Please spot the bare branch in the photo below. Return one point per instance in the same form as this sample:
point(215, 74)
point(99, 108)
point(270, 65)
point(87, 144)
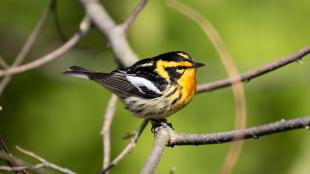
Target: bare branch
point(130, 146)
point(45, 162)
point(235, 135)
point(21, 165)
point(114, 33)
point(12, 164)
point(105, 132)
point(133, 15)
point(160, 142)
point(247, 76)
point(3, 62)
point(27, 46)
point(166, 136)
point(16, 169)
point(12, 169)
point(84, 27)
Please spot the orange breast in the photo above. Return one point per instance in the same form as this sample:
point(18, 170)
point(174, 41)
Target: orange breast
point(188, 84)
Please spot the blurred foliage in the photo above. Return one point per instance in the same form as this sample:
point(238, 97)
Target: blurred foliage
point(60, 118)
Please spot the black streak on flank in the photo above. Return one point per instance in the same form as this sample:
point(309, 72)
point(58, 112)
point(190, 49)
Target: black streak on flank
point(176, 99)
point(172, 92)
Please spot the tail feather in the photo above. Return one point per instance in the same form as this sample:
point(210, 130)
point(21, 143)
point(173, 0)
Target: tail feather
point(80, 72)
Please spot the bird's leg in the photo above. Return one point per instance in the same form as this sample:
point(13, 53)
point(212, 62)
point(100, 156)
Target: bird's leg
point(156, 124)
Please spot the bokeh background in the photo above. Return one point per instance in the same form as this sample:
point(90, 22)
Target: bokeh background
point(60, 117)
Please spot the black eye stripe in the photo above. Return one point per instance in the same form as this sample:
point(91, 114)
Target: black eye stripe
point(178, 67)
point(184, 67)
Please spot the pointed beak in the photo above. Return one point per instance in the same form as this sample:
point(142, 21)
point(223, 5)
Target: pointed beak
point(198, 65)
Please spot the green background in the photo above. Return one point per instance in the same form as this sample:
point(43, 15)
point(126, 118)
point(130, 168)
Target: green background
point(60, 117)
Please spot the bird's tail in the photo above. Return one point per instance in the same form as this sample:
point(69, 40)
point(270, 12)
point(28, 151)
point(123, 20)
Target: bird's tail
point(80, 72)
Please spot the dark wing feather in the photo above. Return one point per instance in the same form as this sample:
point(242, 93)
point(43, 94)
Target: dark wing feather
point(115, 81)
point(118, 84)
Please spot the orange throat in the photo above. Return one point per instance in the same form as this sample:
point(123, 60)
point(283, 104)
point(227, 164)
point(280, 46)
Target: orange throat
point(188, 84)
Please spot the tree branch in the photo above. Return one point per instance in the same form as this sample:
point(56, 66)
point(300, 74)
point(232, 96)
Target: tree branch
point(133, 15)
point(162, 135)
point(114, 33)
point(16, 169)
point(105, 132)
point(236, 135)
point(84, 27)
point(44, 162)
point(166, 136)
point(27, 46)
point(247, 76)
point(12, 164)
point(20, 165)
point(3, 63)
point(130, 146)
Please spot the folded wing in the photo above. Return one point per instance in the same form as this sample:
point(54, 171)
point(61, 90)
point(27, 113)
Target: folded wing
point(119, 82)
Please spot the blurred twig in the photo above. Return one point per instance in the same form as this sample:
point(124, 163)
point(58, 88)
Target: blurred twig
point(38, 168)
point(12, 164)
point(45, 163)
point(27, 46)
point(84, 27)
point(227, 60)
point(247, 76)
point(3, 62)
point(133, 15)
point(105, 132)
point(128, 148)
point(18, 169)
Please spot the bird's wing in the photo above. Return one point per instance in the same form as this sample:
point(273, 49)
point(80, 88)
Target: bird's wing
point(119, 82)
point(126, 85)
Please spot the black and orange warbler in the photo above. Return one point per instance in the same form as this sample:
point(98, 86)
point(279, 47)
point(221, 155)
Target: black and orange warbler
point(152, 88)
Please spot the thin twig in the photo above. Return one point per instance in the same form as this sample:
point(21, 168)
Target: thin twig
point(105, 132)
point(114, 33)
point(130, 146)
point(9, 161)
point(232, 70)
point(236, 135)
point(161, 140)
point(12, 169)
point(126, 24)
point(3, 63)
point(45, 162)
point(21, 165)
point(247, 76)
point(27, 46)
point(84, 27)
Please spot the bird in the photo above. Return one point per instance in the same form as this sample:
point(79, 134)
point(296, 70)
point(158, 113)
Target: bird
point(152, 88)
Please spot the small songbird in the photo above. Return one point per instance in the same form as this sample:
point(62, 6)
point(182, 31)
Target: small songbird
point(152, 88)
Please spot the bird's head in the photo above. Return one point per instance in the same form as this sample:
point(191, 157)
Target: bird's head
point(177, 66)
